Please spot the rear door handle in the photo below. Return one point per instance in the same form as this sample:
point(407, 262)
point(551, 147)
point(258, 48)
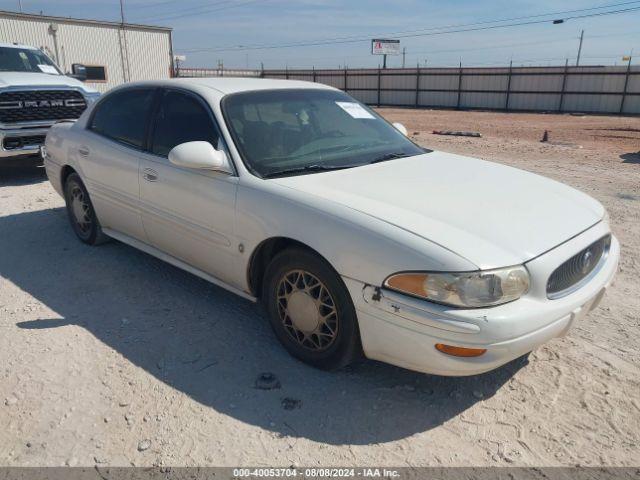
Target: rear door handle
point(150, 175)
point(84, 151)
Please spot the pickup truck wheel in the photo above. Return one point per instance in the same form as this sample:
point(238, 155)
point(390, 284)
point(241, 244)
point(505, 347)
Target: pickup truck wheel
point(310, 310)
point(81, 214)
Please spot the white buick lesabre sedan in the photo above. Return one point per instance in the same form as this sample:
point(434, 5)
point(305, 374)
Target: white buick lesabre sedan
point(357, 240)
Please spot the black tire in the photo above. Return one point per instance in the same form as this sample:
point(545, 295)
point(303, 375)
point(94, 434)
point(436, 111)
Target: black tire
point(335, 341)
point(76, 197)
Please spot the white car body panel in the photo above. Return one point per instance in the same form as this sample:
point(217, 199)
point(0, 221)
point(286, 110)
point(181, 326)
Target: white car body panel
point(438, 212)
point(199, 228)
point(29, 79)
point(491, 214)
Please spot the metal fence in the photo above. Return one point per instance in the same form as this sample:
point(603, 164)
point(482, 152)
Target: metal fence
point(589, 89)
point(216, 72)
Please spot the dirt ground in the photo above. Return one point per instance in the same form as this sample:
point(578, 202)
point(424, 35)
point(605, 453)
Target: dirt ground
point(111, 357)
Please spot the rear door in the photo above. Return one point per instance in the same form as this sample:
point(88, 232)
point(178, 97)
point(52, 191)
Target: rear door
point(110, 157)
point(188, 213)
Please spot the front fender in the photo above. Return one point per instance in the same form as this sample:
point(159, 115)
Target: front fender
point(357, 245)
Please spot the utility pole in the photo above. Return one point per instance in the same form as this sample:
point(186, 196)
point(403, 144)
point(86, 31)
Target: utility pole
point(580, 48)
point(20, 5)
point(404, 53)
point(124, 48)
point(626, 83)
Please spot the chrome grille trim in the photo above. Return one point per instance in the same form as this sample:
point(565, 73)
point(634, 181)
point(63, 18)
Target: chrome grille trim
point(568, 277)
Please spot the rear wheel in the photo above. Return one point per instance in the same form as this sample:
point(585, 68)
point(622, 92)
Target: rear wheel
point(310, 310)
point(81, 213)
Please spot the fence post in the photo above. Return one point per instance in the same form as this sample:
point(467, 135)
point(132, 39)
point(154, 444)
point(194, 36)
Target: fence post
point(418, 85)
point(506, 105)
point(345, 79)
point(314, 74)
point(459, 86)
point(564, 84)
point(378, 86)
point(626, 83)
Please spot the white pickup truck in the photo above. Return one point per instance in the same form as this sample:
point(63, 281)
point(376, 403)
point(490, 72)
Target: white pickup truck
point(35, 94)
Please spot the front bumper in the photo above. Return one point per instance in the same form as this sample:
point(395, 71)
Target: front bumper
point(16, 142)
point(403, 331)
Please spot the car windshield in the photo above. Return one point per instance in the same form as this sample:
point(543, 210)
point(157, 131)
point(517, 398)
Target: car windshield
point(14, 59)
point(294, 132)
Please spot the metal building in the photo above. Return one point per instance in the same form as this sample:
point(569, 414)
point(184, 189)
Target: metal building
point(113, 52)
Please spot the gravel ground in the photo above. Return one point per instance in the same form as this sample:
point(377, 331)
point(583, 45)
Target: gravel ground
point(111, 357)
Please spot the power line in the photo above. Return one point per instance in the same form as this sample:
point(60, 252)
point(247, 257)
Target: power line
point(430, 31)
point(136, 6)
point(201, 10)
point(550, 14)
point(466, 49)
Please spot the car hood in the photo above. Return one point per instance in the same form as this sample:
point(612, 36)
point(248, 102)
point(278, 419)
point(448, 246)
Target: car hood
point(491, 214)
point(30, 79)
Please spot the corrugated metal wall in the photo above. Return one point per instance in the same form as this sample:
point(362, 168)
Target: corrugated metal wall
point(93, 43)
point(562, 89)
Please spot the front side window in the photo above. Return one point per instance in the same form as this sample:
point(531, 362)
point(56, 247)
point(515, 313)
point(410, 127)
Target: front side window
point(181, 118)
point(288, 132)
point(123, 116)
point(14, 59)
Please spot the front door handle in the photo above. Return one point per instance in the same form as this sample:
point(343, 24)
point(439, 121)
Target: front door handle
point(84, 151)
point(150, 175)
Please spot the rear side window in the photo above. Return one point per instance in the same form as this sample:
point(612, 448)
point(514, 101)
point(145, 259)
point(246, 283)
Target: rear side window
point(181, 118)
point(123, 116)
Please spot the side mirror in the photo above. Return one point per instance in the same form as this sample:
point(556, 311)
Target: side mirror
point(401, 128)
point(79, 72)
point(200, 155)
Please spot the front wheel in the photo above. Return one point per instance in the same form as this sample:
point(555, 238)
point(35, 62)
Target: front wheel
point(81, 213)
point(310, 310)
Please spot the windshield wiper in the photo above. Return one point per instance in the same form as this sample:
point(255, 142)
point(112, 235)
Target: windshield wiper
point(388, 156)
point(307, 169)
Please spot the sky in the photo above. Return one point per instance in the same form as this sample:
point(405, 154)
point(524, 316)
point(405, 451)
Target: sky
point(211, 31)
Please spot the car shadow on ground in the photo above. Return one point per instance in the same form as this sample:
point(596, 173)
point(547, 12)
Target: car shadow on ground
point(630, 157)
point(21, 175)
point(212, 345)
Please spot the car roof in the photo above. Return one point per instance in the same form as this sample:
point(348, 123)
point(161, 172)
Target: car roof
point(17, 45)
point(228, 85)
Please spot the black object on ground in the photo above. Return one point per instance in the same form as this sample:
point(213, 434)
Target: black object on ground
point(267, 381)
point(545, 136)
point(456, 133)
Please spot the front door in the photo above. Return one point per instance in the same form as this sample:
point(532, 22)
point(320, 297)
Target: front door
point(188, 213)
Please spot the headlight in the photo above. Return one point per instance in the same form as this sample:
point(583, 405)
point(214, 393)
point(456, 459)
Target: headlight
point(91, 97)
point(466, 289)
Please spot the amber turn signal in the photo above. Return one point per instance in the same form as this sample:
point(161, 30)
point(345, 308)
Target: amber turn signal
point(460, 351)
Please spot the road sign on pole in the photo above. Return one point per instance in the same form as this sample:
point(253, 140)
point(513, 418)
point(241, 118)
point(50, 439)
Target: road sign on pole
point(381, 46)
point(384, 47)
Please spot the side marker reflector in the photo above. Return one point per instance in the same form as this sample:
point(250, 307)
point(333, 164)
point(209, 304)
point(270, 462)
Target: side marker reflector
point(460, 351)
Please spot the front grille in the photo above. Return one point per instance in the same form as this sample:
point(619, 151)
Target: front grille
point(40, 105)
point(12, 143)
point(568, 276)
